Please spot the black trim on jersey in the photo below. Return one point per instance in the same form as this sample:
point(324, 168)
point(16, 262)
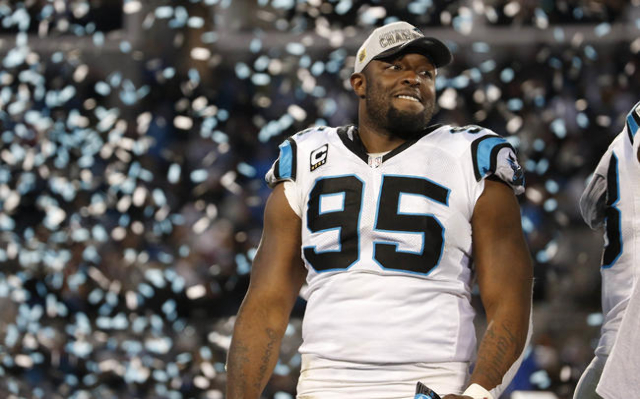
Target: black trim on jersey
point(613, 249)
point(294, 158)
point(635, 117)
point(493, 155)
point(357, 147)
point(354, 145)
point(276, 169)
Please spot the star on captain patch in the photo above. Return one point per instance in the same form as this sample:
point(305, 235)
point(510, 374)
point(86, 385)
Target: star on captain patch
point(319, 157)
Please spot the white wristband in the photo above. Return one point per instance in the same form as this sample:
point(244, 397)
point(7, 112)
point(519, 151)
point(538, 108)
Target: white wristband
point(477, 392)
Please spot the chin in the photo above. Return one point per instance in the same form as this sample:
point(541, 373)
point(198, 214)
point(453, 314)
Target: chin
point(406, 124)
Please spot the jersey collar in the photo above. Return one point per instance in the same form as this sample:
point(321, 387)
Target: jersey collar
point(351, 139)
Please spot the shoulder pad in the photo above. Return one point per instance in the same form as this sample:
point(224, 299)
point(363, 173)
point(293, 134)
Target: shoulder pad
point(493, 155)
point(284, 168)
point(633, 121)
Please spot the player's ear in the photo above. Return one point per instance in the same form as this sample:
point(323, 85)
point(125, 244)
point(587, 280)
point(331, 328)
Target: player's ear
point(359, 84)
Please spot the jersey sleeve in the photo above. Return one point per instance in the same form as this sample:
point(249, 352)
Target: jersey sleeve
point(285, 167)
point(593, 200)
point(492, 155)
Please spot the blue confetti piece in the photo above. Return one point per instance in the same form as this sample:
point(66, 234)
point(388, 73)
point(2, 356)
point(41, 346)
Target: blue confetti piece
point(243, 267)
point(95, 296)
point(172, 369)
point(242, 70)
point(177, 285)
point(146, 290)
point(558, 34)
point(184, 251)
point(582, 120)
point(460, 82)
point(164, 12)
point(169, 72)
point(102, 88)
point(125, 47)
point(160, 376)
point(343, 7)
point(514, 104)
point(550, 205)
point(199, 175)
point(195, 22)
point(538, 144)
point(219, 137)
point(205, 353)
point(255, 46)
point(212, 37)
point(555, 63)
point(542, 166)
point(552, 186)
point(261, 79)
point(183, 358)
point(194, 75)
point(261, 63)
point(540, 379)
point(246, 169)
point(602, 29)
point(488, 66)
point(98, 39)
point(156, 322)
point(481, 47)
point(305, 62)
point(81, 349)
point(595, 319)
point(283, 4)
point(558, 128)
point(295, 48)
point(590, 52)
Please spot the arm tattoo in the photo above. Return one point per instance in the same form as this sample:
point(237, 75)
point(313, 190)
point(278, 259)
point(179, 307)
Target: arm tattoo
point(498, 360)
point(239, 358)
point(266, 357)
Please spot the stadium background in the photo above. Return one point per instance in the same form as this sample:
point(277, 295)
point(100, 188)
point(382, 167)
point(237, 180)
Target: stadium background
point(135, 136)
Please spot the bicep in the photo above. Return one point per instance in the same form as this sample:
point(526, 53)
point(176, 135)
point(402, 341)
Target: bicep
point(501, 256)
point(278, 272)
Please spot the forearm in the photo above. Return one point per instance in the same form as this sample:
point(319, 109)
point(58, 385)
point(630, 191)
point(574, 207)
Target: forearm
point(502, 344)
point(253, 353)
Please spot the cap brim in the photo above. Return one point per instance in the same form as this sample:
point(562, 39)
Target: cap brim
point(430, 47)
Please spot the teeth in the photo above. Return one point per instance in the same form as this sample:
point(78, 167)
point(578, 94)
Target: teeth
point(409, 98)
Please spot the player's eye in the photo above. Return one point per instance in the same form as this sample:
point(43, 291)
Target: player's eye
point(426, 73)
point(394, 67)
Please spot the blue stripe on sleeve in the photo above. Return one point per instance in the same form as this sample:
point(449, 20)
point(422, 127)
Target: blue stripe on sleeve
point(633, 124)
point(286, 160)
point(483, 155)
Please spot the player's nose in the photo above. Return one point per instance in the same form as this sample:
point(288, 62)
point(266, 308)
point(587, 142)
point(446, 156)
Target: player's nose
point(411, 78)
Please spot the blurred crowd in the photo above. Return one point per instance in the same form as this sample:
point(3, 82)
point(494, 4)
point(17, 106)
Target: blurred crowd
point(132, 165)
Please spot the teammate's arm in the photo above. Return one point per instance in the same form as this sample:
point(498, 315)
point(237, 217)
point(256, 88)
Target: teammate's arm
point(276, 278)
point(505, 277)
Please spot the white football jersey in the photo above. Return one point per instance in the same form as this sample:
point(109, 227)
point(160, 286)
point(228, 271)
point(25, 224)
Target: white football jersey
point(387, 241)
point(612, 198)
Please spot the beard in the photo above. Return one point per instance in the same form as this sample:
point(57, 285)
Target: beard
point(399, 123)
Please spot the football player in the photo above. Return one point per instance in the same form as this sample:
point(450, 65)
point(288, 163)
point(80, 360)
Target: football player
point(612, 199)
point(388, 222)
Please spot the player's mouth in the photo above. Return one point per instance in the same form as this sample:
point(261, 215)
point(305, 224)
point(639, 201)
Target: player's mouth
point(409, 97)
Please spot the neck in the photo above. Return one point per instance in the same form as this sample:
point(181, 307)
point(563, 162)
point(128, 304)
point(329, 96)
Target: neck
point(375, 138)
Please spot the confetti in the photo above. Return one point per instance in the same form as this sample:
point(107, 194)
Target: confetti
point(132, 164)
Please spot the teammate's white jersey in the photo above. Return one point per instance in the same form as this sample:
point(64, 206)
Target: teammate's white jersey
point(612, 198)
point(387, 241)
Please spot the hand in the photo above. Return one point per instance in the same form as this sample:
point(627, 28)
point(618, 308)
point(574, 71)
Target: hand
point(452, 396)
